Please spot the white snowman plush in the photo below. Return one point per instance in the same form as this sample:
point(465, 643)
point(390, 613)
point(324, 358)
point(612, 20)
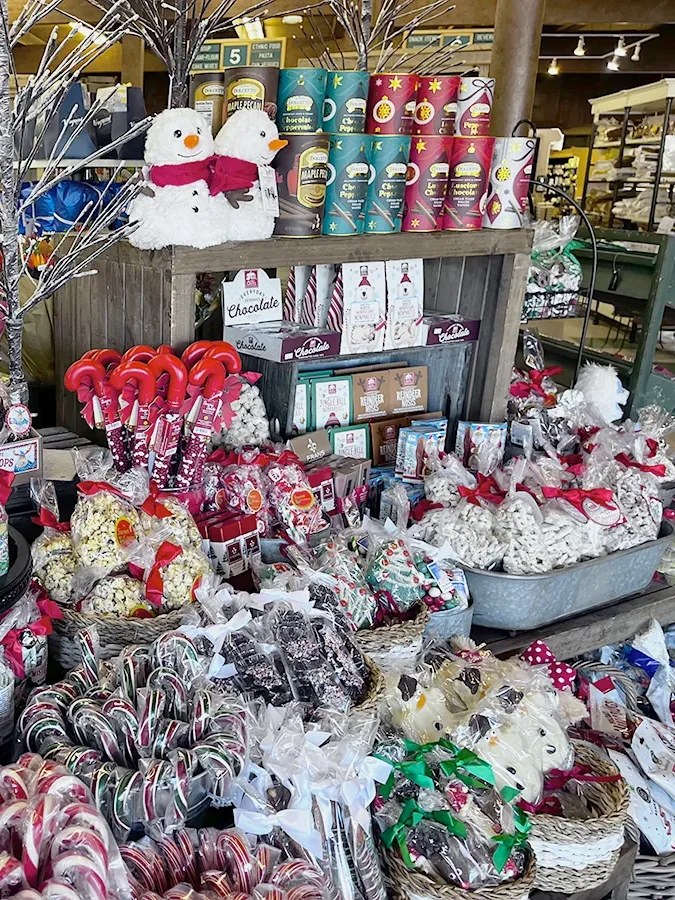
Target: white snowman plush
point(176, 207)
point(247, 140)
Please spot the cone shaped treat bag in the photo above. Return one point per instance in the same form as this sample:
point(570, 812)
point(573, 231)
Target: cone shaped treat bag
point(470, 160)
point(426, 183)
point(300, 100)
point(388, 170)
point(512, 162)
point(348, 175)
point(391, 103)
point(436, 108)
point(344, 109)
point(474, 106)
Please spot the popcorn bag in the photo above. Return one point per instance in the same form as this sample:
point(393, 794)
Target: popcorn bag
point(55, 561)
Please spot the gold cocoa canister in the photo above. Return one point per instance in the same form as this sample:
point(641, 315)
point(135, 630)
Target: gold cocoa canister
point(207, 90)
point(302, 174)
point(251, 87)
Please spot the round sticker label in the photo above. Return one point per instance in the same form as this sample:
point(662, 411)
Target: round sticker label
point(18, 420)
point(124, 531)
point(254, 500)
point(602, 515)
point(302, 499)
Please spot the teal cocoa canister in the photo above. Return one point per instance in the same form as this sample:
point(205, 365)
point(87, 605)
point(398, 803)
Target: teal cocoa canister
point(348, 173)
point(388, 169)
point(344, 109)
point(300, 100)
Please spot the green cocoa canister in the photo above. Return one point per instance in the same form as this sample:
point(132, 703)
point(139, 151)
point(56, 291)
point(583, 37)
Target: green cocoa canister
point(302, 174)
point(251, 87)
point(344, 109)
point(388, 168)
point(348, 173)
point(300, 100)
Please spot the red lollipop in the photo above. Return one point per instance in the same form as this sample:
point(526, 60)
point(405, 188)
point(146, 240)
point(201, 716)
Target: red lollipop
point(227, 355)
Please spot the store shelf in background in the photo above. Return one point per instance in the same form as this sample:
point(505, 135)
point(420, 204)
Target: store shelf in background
point(94, 164)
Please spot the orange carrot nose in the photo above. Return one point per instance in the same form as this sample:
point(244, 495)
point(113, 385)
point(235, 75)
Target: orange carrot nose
point(277, 144)
point(191, 141)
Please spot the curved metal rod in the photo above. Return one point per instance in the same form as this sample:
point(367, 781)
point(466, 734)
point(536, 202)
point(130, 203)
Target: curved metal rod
point(594, 267)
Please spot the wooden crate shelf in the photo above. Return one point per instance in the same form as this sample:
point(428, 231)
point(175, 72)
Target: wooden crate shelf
point(148, 297)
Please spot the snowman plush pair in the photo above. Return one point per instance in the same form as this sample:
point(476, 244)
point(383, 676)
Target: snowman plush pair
point(199, 192)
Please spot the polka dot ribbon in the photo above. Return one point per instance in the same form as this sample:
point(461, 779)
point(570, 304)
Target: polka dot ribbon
point(540, 654)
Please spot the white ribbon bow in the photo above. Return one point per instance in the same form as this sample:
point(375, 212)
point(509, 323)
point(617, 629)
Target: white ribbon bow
point(297, 823)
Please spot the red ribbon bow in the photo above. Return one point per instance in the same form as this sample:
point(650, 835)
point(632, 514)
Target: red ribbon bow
point(532, 383)
point(47, 519)
point(154, 586)
point(6, 479)
point(420, 509)
point(576, 496)
point(625, 460)
point(153, 506)
point(14, 648)
point(549, 805)
point(487, 489)
point(89, 488)
point(561, 675)
point(557, 778)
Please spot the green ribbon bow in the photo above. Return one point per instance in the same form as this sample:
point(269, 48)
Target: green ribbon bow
point(415, 770)
point(469, 768)
point(465, 765)
point(508, 842)
point(411, 815)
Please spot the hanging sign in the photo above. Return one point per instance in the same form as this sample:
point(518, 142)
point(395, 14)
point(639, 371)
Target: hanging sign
point(215, 56)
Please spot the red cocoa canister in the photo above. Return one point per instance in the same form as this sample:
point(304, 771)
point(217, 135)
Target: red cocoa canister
point(436, 107)
point(426, 183)
point(470, 160)
point(391, 103)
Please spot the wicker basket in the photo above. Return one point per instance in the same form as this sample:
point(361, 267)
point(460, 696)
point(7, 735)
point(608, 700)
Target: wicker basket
point(390, 644)
point(114, 633)
point(376, 687)
point(573, 854)
point(411, 884)
point(653, 878)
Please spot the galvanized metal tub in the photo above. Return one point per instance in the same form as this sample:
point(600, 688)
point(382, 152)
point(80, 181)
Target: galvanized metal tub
point(522, 602)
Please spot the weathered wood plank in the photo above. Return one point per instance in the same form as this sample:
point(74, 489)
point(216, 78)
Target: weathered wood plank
point(591, 631)
point(182, 311)
point(504, 328)
point(286, 252)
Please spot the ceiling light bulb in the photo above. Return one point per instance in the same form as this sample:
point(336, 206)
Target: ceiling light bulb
point(613, 64)
point(291, 20)
point(580, 49)
point(636, 53)
point(620, 47)
point(554, 68)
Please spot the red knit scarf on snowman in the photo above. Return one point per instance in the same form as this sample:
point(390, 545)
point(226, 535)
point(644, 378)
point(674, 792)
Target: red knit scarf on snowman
point(221, 173)
point(232, 174)
point(182, 173)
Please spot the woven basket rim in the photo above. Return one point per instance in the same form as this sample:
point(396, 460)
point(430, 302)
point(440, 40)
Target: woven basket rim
point(420, 885)
point(580, 831)
point(75, 619)
point(376, 688)
point(385, 637)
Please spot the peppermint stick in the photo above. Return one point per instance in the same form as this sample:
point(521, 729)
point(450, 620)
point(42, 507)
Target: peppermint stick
point(90, 650)
point(149, 720)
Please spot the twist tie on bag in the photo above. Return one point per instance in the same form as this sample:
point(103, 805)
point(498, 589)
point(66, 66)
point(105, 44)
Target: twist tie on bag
point(152, 504)
point(298, 824)
point(659, 470)
point(89, 488)
point(576, 497)
point(507, 843)
point(487, 489)
point(411, 816)
point(154, 586)
point(48, 520)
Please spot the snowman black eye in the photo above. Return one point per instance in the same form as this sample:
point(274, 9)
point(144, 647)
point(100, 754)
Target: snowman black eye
point(199, 131)
point(263, 134)
point(178, 134)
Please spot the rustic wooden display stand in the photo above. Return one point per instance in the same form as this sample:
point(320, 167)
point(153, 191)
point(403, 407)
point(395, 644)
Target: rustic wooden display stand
point(141, 297)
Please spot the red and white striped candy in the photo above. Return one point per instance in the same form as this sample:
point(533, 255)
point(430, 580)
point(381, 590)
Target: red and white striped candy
point(12, 815)
point(218, 882)
point(68, 787)
point(41, 824)
point(140, 865)
point(59, 889)
point(305, 892)
point(82, 872)
point(296, 870)
point(11, 874)
point(85, 816)
point(13, 782)
point(82, 840)
point(240, 862)
point(28, 894)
